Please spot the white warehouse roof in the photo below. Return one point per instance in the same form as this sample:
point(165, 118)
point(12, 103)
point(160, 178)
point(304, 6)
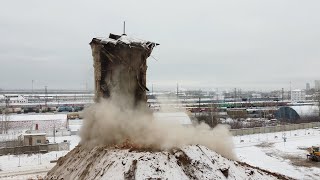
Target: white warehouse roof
point(306, 111)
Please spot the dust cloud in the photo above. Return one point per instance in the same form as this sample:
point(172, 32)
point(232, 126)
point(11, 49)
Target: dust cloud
point(113, 122)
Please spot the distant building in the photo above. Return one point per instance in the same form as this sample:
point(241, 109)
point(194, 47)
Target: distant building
point(256, 95)
point(13, 98)
point(317, 84)
point(298, 95)
point(308, 87)
point(218, 96)
point(34, 139)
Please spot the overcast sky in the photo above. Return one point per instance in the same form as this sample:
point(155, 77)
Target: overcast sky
point(246, 44)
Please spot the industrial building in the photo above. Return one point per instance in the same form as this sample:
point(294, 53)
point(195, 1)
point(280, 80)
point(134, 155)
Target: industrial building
point(294, 113)
point(298, 95)
point(308, 87)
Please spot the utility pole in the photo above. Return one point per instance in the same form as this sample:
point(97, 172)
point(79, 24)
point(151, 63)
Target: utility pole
point(152, 89)
point(32, 91)
point(5, 117)
point(235, 97)
point(216, 106)
point(177, 90)
point(32, 87)
point(212, 112)
point(282, 96)
point(19, 161)
point(290, 92)
point(199, 105)
point(54, 133)
point(45, 95)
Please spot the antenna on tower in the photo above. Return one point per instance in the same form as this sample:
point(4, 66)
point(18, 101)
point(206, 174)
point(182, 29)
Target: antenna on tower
point(124, 28)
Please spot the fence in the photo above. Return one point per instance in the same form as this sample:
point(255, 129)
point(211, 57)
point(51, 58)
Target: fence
point(11, 143)
point(271, 129)
point(43, 148)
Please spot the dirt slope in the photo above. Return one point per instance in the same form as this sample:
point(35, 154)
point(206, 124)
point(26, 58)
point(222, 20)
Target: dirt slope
point(190, 162)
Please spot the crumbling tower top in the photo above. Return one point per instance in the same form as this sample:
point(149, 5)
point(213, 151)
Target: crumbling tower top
point(120, 67)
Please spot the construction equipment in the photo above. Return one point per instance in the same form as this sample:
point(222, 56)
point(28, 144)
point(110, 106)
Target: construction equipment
point(314, 153)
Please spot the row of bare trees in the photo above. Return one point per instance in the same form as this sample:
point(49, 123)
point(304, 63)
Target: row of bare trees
point(4, 122)
point(210, 117)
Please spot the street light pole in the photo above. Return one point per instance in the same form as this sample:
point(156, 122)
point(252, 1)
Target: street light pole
point(19, 161)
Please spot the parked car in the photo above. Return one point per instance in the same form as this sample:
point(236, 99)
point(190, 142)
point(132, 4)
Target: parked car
point(30, 109)
point(64, 109)
point(78, 108)
point(48, 109)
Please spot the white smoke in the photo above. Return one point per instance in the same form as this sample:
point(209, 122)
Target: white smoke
point(111, 122)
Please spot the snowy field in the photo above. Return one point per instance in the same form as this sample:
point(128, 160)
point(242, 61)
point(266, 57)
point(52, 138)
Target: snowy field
point(270, 152)
point(36, 165)
point(267, 151)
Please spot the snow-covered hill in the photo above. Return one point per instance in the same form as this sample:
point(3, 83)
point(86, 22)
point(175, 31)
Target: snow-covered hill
point(189, 162)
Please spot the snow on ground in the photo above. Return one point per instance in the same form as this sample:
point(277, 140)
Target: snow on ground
point(74, 140)
point(37, 116)
point(75, 124)
point(270, 152)
point(14, 165)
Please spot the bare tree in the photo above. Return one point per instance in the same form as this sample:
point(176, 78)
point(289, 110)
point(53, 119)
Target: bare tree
point(237, 113)
point(317, 95)
point(4, 122)
point(1, 124)
point(318, 99)
point(210, 116)
point(236, 124)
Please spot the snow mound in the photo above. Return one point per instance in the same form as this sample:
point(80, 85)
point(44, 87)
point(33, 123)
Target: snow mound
point(189, 162)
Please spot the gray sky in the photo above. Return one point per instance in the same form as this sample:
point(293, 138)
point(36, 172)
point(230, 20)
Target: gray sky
point(246, 44)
